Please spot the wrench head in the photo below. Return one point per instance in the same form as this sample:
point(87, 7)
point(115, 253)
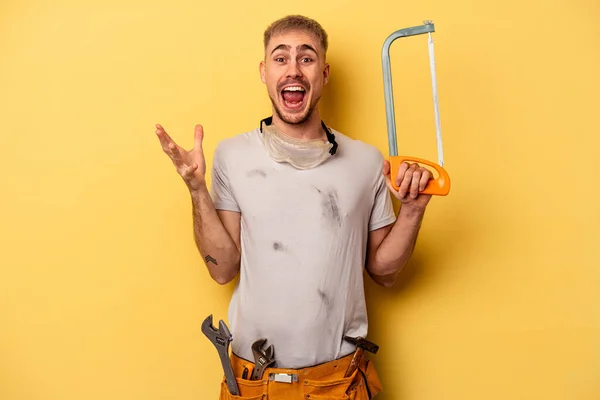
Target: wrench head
point(262, 356)
point(219, 337)
point(257, 346)
point(270, 352)
point(207, 323)
point(207, 327)
point(223, 329)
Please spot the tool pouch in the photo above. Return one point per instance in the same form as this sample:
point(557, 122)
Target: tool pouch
point(366, 383)
point(371, 378)
point(329, 384)
point(249, 390)
point(363, 384)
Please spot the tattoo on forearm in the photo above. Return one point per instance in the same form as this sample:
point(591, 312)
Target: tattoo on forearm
point(210, 259)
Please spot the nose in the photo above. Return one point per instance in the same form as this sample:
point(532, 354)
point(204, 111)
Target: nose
point(293, 70)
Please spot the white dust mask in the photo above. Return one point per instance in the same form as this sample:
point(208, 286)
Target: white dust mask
point(302, 154)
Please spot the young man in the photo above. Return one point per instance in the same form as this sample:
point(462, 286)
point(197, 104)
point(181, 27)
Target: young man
point(299, 210)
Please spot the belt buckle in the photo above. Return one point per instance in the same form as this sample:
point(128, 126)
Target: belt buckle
point(283, 378)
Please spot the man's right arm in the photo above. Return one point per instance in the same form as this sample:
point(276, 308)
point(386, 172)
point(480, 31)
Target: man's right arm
point(217, 233)
point(217, 236)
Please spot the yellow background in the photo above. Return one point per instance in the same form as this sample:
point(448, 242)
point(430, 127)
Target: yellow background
point(102, 292)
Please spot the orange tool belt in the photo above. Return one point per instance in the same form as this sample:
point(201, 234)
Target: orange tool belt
point(323, 381)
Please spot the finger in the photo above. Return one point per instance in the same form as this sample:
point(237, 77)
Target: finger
point(188, 172)
point(163, 136)
point(406, 181)
point(386, 174)
point(198, 136)
point(386, 168)
point(388, 183)
point(414, 184)
point(160, 131)
point(425, 178)
point(404, 166)
point(388, 178)
point(175, 155)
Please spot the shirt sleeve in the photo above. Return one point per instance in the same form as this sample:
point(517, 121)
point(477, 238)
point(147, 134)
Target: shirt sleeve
point(221, 193)
point(382, 213)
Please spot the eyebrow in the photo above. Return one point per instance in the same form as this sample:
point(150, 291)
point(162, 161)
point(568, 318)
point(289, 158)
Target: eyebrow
point(302, 47)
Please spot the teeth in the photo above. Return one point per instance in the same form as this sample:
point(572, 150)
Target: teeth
point(294, 89)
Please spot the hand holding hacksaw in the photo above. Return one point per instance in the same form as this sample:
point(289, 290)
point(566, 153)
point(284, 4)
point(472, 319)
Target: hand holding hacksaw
point(441, 185)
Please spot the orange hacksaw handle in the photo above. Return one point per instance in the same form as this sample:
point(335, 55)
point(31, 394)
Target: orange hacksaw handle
point(437, 187)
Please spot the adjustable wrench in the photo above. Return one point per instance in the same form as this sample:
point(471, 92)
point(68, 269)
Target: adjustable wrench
point(262, 358)
point(221, 338)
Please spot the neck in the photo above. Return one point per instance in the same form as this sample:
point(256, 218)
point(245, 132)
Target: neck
point(308, 130)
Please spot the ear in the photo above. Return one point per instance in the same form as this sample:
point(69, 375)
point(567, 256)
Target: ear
point(262, 69)
point(326, 74)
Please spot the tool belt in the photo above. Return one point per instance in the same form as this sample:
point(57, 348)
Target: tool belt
point(323, 381)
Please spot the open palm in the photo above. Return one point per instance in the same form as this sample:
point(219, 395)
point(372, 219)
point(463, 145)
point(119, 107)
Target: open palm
point(190, 164)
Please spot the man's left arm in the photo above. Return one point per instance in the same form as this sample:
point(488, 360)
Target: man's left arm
point(390, 247)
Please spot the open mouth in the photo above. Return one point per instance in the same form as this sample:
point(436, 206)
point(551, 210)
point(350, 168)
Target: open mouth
point(293, 96)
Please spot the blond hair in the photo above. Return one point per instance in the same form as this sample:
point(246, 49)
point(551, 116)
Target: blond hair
point(296, 22)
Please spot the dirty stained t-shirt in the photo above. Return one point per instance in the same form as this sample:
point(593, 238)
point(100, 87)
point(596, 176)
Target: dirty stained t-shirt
point(303, 238)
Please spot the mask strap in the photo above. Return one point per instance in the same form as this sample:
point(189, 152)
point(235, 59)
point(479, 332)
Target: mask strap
point(267, 121)
point(330, 136)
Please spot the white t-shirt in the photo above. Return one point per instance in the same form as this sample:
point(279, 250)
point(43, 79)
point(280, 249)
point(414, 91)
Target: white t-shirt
point(303, 246)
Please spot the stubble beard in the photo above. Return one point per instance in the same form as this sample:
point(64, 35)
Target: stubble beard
point(294, 119)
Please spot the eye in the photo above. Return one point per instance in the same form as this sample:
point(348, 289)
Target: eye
point(279, 59)
point(306, 60)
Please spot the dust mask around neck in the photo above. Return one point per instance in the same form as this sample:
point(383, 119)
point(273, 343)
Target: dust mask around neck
point(301, 154)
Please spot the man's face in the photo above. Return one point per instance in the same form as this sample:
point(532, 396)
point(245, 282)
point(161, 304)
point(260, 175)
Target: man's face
point(295, 72)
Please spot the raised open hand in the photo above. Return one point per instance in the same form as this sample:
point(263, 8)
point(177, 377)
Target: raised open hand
point(191, 164)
